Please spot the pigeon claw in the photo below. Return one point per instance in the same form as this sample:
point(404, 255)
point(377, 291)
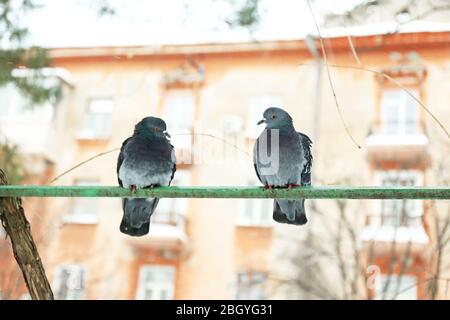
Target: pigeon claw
point(133, 188)
point(290, 186)
point(268, 186)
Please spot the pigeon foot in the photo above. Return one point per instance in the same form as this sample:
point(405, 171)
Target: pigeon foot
point(290, 186)
point(268, 186)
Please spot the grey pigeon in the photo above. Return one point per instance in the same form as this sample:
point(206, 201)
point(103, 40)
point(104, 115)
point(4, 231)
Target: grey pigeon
point(282, 158)
point(146, 160)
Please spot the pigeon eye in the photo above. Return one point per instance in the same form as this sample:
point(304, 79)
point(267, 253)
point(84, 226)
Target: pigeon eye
point(274, 116)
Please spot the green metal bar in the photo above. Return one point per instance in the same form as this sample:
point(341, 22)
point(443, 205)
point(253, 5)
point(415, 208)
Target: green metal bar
point(330, 192)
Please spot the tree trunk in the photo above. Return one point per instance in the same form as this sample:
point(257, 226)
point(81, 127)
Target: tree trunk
point(17, 227)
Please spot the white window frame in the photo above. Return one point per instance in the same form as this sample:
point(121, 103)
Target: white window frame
point(173, 102)
point(408, 292)
point(168, 287)
point(254, 212)
point(98, 107)
point(79, 289)
point(417, 205)
point(257, 105)
point(75, 217)
point(251, 213)
point(400, 103)
point(247, 288)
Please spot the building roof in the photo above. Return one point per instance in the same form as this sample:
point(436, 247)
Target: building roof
point(364, 37)
point(60, 73)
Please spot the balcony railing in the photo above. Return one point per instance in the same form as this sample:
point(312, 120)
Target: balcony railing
point(168, 231)
point(400, 143)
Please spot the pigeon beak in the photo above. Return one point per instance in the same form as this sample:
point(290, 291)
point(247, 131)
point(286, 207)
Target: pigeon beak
point(261, 121)
point(166, 134)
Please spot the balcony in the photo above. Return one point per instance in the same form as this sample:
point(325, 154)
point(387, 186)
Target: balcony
point(383, 146)
point(167, 232)
point(168, 223)
point(398, 134)
point(382, 240)
point(405, 232)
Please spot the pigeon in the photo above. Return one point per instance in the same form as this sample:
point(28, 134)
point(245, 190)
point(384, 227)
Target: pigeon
point(282, 158)
point(146, 159)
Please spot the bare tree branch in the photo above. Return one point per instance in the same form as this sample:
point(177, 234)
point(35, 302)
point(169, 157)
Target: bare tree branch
point(25, 251)
point(324, 53)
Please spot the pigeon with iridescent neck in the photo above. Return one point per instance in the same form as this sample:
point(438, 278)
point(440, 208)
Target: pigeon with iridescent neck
point(282, 158)
point(146, 160)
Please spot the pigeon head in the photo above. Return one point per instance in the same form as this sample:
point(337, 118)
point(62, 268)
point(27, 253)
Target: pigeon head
point(152, 127)
point(276, 118)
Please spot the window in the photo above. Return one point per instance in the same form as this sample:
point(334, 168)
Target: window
point(254, 212)
point(231, 125)
point(173, 210)
point(399, 212)
point(258, 104)
point(70, 282)
point(14, 106)
point(83, 210)
point(179, 116)
point(156, 283)
point(251, 286)
point(394, 287)
point(97, 120)
point(399, 113)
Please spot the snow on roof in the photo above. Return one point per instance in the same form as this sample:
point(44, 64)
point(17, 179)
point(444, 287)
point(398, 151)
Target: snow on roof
point(60, 73)
point(240, 38)
point(386, 28)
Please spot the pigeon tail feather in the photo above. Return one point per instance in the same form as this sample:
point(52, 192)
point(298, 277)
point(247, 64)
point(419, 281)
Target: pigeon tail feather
point(290, 212)
point(136, 215)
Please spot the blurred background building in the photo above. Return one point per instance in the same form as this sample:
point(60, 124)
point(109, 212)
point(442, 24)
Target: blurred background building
point(228, 248)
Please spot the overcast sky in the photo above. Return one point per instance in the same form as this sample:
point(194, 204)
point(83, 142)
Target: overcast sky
point(75, 23)
point(148, 22)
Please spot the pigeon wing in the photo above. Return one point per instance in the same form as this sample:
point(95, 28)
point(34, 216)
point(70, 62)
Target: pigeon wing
point(255, 160)
point(306, 146)
point(120, 159)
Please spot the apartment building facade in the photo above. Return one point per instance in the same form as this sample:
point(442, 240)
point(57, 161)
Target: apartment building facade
point(211, 93)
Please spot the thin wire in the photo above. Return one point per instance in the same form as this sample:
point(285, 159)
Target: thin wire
point(352, 47)
point(116, 149)
point(329, 77)
point(396, 83)
point(217, 138)
point(81, 163)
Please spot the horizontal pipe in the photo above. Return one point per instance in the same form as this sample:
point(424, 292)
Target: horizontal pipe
point(329, 192)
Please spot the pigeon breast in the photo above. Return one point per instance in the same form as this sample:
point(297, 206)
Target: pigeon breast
point(286, 156)
point(147, 164)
